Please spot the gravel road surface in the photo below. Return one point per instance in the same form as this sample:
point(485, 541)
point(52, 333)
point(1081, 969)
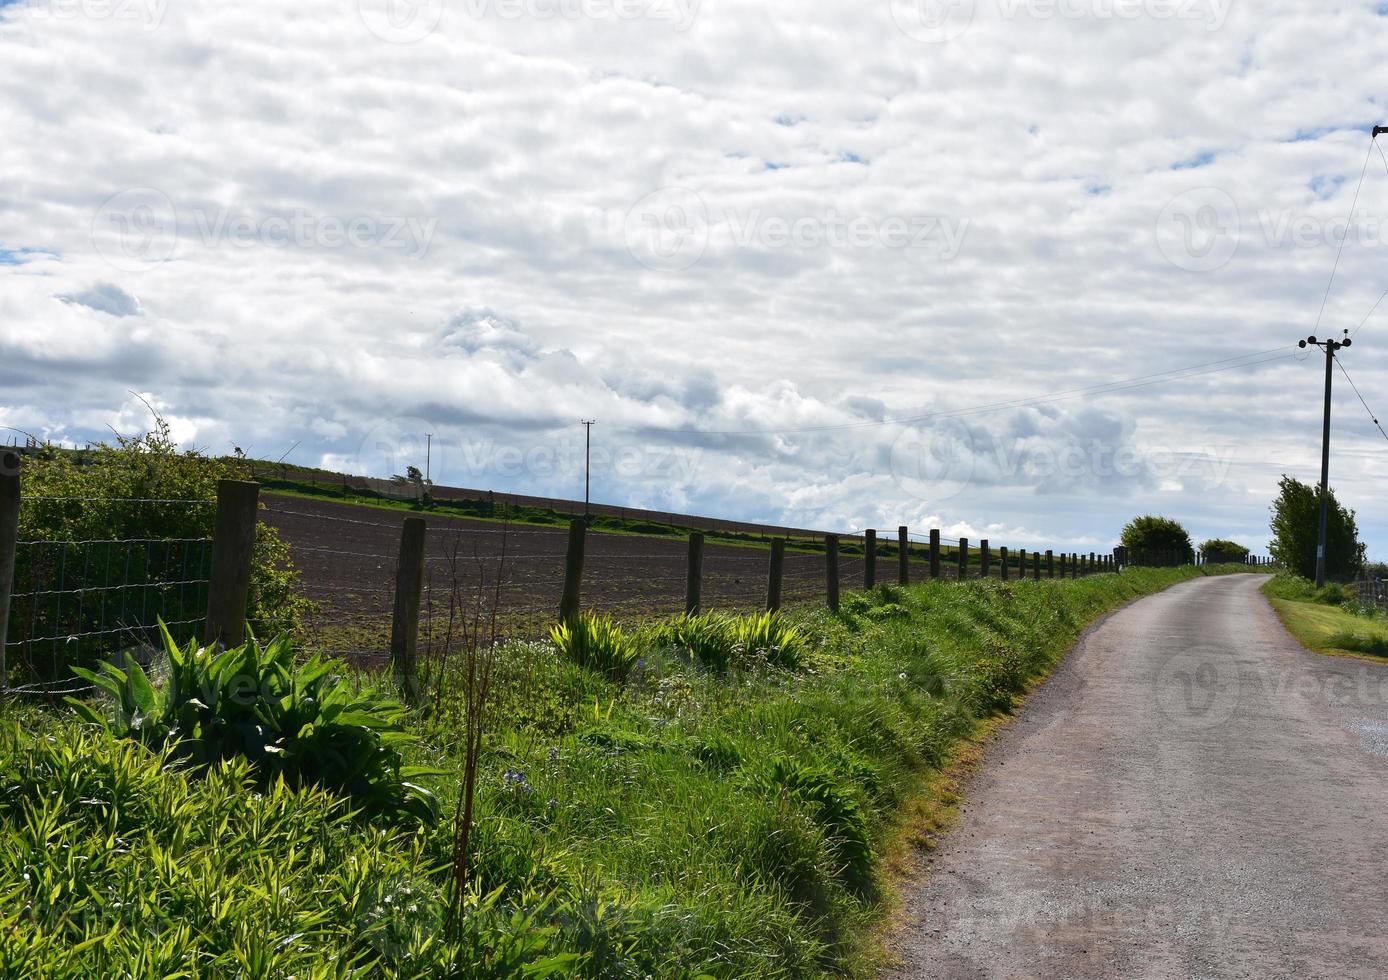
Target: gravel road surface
point(1191, 794)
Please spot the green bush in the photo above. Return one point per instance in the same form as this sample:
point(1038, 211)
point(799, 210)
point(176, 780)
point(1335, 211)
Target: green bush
point(1219, 551)
point(302, 724)
point(1157, 541)
point(1296, 532)
point(770, 637)
point(136, 490)
point(705, 637)
point(597, 643)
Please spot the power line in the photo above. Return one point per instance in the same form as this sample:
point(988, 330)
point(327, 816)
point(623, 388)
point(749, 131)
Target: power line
point(1107, 387)
point(1345, 237)
point(1361, 399)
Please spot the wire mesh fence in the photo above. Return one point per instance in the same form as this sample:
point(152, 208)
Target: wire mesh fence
point(76, 599)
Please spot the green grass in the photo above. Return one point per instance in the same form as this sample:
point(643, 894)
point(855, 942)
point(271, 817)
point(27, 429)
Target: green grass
point(1327, 620)
point(685, 822)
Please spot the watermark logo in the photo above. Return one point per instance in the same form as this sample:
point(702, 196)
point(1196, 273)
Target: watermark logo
point(1198, 689)
point(136, 229)
point(301, 229)
point(394, 445)
point(1199, 230)
point(679, 13)
point(400, 21)
point(667, 230)
point(139, 228)
point(147, 14)
point(933, 21)
point(933, 462)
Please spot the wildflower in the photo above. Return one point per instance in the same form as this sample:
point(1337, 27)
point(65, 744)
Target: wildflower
point(554, 753)
point(516, 782)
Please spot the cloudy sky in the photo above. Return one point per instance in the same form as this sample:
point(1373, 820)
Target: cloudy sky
point(1012, 268)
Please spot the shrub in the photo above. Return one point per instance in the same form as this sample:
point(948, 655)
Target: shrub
point(1296, 532)
point(769, 636)
point(1157, 541)
point(597, 643)
point(1219, 551)
point(706, 637)
point(302, 724)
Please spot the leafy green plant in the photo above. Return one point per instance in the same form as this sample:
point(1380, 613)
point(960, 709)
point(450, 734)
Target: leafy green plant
point(1296, 532)
point(597, 643)
point(769, 636)
point(303, 724)
point(706, 637)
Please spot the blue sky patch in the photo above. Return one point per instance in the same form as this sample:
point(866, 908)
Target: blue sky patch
point(18, 256)
point(1199, 160)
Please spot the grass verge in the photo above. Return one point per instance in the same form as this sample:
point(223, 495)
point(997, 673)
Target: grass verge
point(1329, 620)
point(678, 823)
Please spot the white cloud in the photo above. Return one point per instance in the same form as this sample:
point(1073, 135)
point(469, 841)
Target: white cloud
point(339, 240)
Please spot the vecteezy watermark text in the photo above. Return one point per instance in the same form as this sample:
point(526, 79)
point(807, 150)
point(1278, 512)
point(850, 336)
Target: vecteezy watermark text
point(142, 227)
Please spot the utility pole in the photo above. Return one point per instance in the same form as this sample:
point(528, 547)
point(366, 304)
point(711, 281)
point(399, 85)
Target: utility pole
point(428, 455)
point(587, 461)
point(1330, 347)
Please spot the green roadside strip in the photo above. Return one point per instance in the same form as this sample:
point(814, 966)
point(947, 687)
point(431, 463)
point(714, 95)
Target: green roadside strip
point(1329, 621)
point(676, 823)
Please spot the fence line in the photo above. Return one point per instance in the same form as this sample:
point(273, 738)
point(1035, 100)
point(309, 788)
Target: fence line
point(84, 597)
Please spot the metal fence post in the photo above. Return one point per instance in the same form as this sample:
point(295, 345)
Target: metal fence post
point(404, 624)
point(869, 558)
point(233, 544)
point(831, 570)
point(573, 572)
point(773, 574)
point(9, 544)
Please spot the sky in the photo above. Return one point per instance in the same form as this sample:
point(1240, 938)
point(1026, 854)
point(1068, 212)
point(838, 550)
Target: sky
point(1014, 269)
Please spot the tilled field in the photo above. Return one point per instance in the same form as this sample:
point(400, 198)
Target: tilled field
point(347, 555)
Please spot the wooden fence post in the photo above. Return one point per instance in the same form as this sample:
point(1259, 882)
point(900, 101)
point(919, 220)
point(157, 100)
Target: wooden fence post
point(404, 624)
point(831, 570)
point(1090, 566)
point(694, 580)
point(1036, 566)
point(903, 555)
point(9, 544)
point(1074, 564)
point(773, 574)
point(935, 553)
point(233, 542)
point(1050, 563)
point(869, 558)
point(573, 571)
point(963, 560)
point(1002, 563)
point(1021, 564)
point(983, 557)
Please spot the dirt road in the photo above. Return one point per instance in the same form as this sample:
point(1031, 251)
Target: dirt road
point(1191, 794)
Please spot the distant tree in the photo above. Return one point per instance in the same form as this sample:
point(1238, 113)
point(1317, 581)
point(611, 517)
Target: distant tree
point(1157, 541)
point(1296, 532)
point(1221, 551)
